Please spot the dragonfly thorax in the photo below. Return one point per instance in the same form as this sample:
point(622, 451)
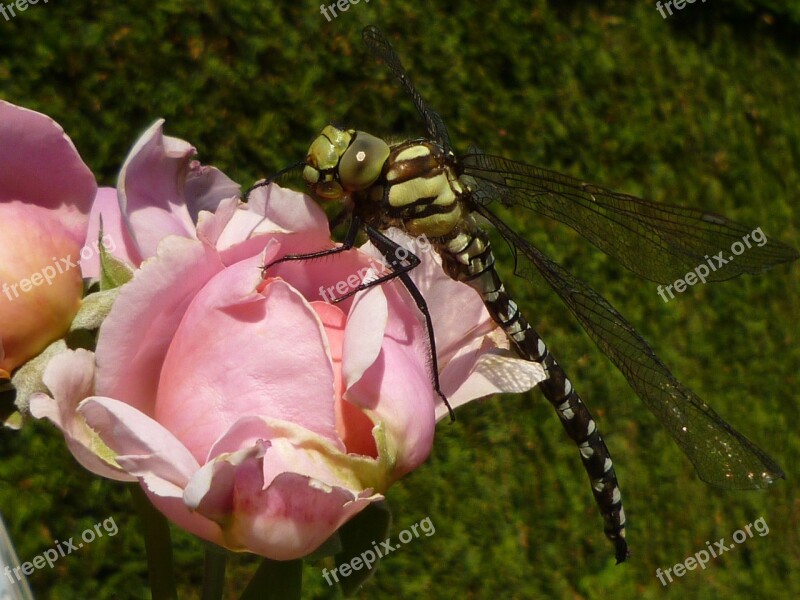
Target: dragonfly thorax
point(422, 189)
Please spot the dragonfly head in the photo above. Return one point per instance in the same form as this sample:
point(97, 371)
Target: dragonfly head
point(341, 161)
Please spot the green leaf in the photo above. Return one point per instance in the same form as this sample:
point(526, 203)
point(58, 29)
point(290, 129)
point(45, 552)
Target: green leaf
point(113, 272)
point(28, 378)
point(13, 421)
point(276, 580)
point(359, 537)
point(94, 309)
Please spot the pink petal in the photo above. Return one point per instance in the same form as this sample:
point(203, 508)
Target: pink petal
point(275, 213)
point(70, 378)
point(318, 279)
point(289, 211)
point(206, 187)
point(176, 511)
point(293, 448)
point(397, 388)
point(40, 166)
point(134, 338)
point(287, 520)
point(40, 281)
point(211, 225)
point(293, 516)
point(453, 328)
point(150, 188)
point(247, 433)
point(210, 492)
point(487, 371)
point(242, 353)
point(144, 448)
point(363, 338)
point(152, 454)
point(353, 425)
point(117, 239)
point(333, 322)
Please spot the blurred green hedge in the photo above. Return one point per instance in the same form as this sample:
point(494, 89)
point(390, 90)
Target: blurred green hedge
point(698, 109)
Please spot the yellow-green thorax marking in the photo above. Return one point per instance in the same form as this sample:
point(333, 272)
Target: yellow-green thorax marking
point(413, 184)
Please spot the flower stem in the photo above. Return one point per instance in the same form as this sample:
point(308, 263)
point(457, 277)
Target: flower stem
point(214, 565)
point(276, 580)
point(158, 545)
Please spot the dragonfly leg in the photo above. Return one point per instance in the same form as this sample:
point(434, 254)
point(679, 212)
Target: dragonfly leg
point(389, 250)
point(271, 179)
point(347, 244)
point(400, 268)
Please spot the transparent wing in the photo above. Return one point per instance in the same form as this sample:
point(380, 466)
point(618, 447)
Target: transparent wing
point(722, 456)
point(381, 49)
point(656, 241)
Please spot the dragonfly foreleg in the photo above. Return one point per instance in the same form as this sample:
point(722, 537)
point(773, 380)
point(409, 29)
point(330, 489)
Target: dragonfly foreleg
point(271, 179)
point(347, 244)
point(400, 268)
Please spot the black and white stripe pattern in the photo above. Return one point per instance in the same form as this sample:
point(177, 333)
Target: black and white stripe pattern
point(468, 257)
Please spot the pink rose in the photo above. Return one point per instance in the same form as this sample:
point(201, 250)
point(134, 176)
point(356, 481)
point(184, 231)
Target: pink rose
point(254, 413)
point(45, 194)
point(160, 191)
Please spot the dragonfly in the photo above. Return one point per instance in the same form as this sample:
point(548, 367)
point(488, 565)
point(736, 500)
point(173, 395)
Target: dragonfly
point(422, 187)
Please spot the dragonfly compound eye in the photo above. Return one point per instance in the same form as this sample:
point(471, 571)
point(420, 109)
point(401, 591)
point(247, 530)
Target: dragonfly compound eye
point(363, 161)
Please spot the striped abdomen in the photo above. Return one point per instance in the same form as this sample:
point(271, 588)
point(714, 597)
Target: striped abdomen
point(467, 257)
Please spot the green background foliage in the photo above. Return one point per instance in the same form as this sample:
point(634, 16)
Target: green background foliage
point(697, 109)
